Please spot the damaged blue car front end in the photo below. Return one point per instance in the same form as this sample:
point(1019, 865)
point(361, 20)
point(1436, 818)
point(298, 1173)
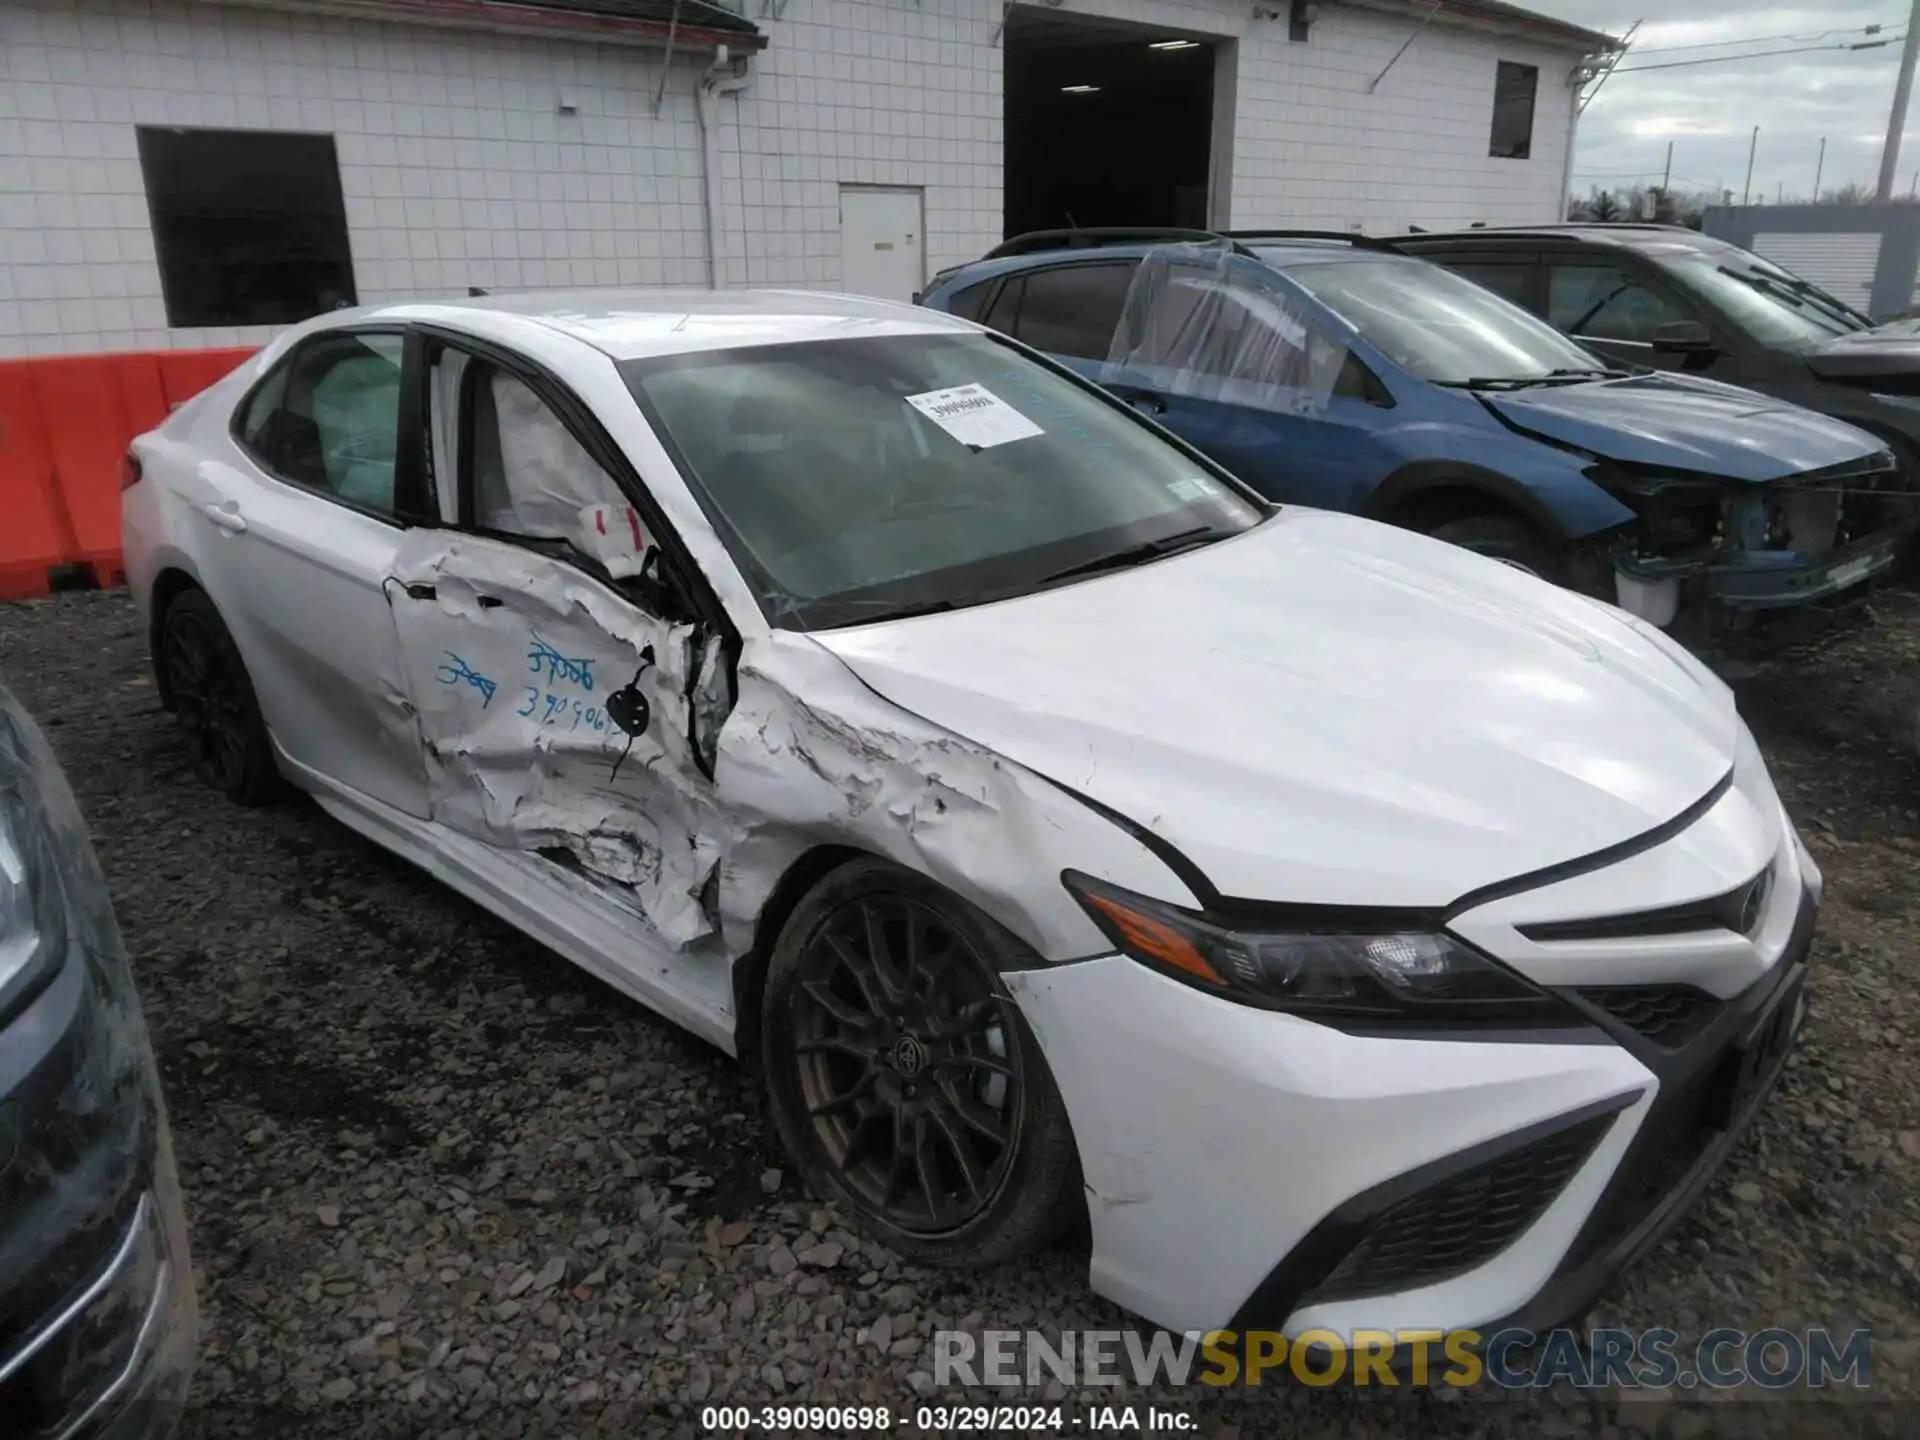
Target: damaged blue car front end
point(97, 1312)
point(1747, 524)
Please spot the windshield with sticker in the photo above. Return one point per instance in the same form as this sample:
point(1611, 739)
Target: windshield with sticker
point(858, 479)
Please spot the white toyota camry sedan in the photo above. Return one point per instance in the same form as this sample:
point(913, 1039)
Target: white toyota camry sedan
point(1355, 931)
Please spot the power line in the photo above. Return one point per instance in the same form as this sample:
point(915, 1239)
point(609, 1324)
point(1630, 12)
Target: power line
point(1756, 55)
point(1868, 30)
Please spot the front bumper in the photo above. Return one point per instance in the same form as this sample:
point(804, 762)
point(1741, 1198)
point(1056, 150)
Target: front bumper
point(1757, 603)
point(114, 1362)
point(97, 1313)
point(1347, 1182)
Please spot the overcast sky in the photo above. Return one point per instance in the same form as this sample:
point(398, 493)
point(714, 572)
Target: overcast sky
point(1709, 111)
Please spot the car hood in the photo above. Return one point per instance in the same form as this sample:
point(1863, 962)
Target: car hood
point(1890, 349)
point(1681, 422)
point(1325, 710)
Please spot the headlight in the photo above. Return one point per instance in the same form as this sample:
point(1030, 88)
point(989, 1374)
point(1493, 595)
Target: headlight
point(33, 928)
point(1371, 975)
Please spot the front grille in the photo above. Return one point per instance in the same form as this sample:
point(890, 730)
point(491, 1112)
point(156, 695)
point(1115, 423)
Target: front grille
point(1740, 910)
point(1668, 1015)
point(1462, 1222)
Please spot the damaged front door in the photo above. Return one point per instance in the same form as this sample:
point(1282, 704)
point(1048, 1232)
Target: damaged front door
point(552, 672)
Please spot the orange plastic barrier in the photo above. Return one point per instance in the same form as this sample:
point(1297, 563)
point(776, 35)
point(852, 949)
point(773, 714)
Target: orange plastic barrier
point(65, 423)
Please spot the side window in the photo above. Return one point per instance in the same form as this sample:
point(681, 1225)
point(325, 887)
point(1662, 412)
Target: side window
point(330, 419)
point(1605, 303)
point(1356, 382)
point(1514, 87)
point(1511, 280)
point(265, 402)
point(966, 303)
point(1072, 310)
point(1005, 315)
point(523, 474)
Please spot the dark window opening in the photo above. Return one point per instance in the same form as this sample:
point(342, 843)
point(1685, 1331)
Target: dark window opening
point(1513, 91)
point(1074, 309)
point(1107, 123)
point(249, 225)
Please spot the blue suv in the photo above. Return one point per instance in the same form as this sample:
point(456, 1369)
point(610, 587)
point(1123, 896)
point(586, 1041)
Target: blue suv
point(1334, 371)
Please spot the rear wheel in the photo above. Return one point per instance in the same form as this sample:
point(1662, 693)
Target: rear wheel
point(1505, 538)
point(903, 1079)
point(213, 702)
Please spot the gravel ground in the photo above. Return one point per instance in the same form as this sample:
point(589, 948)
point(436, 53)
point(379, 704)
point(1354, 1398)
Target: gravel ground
point(443, 1183)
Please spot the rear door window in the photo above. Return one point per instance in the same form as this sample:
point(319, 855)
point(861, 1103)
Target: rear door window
point(1606, 302)
point(968, 302)
point(1073, 309)
point(1511, 279)
point(1005, 314)
point(329, 419)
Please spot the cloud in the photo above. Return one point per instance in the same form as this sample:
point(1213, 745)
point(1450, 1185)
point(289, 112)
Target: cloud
point(1708, 111)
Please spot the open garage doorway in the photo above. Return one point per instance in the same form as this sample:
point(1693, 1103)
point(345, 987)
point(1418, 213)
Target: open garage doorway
point(1108, 123)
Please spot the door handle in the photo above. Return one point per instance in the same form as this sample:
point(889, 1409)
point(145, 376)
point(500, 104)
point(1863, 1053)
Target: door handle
point(227, 517)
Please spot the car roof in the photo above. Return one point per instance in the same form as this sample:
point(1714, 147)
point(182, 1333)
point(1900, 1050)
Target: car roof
point(1282, 253)
point(1277, 253)
point(1650, 238)
point(637, 324)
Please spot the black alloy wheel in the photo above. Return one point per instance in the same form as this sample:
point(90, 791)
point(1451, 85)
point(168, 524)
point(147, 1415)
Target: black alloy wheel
point(213, 702)
point(903, 1076)
point(904, 1062)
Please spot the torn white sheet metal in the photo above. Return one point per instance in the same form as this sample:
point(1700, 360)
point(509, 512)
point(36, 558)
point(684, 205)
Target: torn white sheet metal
point(548, 486)
point(1203, 321)
point(510, 657)
point(811, 756)
point(511, 702)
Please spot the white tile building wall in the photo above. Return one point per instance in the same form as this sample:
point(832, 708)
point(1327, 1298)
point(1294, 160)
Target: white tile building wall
point(457, 169)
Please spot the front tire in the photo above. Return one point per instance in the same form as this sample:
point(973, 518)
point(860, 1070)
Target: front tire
point(903, 1079)
point(1507, 539)
point(214, 703)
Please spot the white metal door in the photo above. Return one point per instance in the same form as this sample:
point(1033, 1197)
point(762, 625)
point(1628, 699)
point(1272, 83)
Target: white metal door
point(881, 243)
point(1843, 264)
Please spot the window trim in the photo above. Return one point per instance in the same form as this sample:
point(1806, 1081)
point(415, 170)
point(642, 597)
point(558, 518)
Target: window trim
point(1524, 150)
point(408, 468)
point(579, 420)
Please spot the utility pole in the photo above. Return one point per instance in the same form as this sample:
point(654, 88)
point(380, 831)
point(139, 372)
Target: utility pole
point(1746, 194)
point(1819, 166)
point(1902, 93)
point(1666, 178)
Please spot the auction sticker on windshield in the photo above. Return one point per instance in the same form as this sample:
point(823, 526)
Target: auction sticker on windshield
point(974, 415)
